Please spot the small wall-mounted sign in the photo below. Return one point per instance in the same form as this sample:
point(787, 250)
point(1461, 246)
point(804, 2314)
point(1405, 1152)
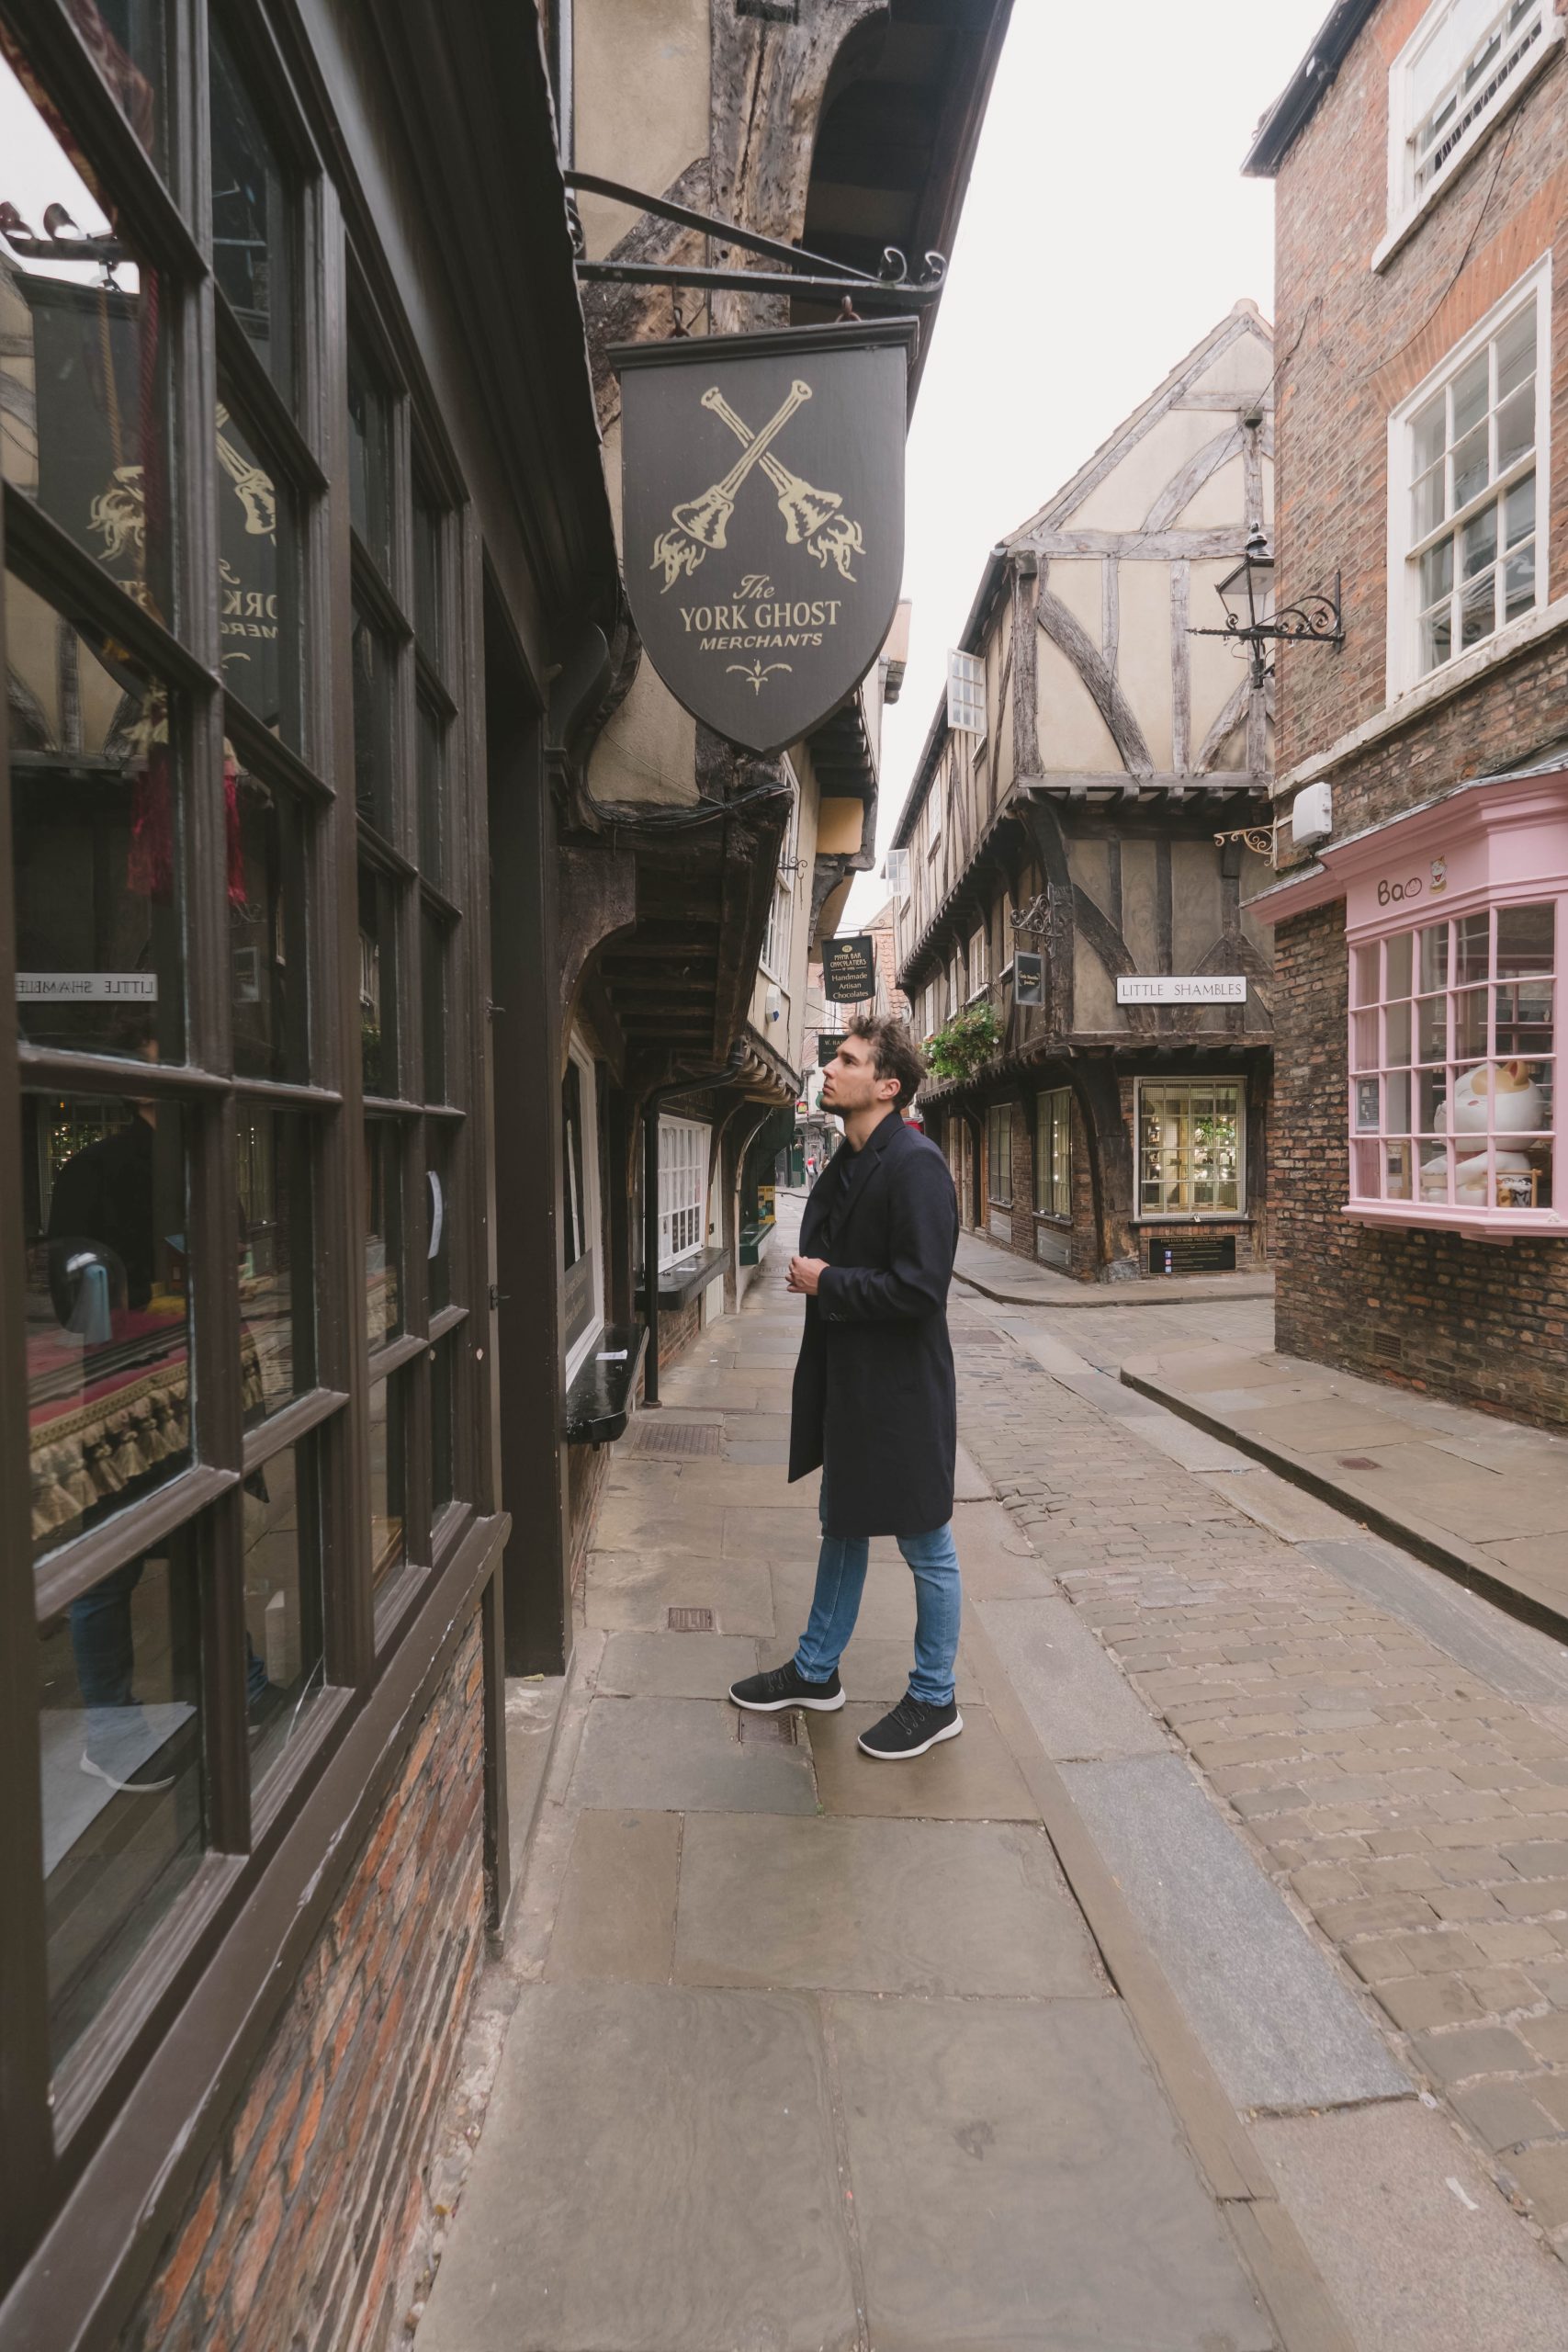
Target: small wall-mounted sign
point(849, 969)
point(87, 987)
point(1168, 988)
point(1027, 977)
point(827, 1044)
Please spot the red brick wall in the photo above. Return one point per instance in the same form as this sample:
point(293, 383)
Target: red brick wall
point(1476, 1321)
point(296, 2232)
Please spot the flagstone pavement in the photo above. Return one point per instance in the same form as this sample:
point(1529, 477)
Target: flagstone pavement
point(1049, 2038)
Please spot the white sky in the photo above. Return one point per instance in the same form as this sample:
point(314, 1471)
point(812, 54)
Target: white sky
point(1107, 227)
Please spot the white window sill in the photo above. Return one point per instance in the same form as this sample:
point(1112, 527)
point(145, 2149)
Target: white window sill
point(1482, 1225)
point(1404, 705)
point(1176, 1218)
point(1402, 230)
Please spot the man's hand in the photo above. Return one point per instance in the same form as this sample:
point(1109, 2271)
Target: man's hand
point(804, 1274)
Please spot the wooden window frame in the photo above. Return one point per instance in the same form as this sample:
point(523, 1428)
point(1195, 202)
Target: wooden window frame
point(1045, 1189)
point(52, 2126)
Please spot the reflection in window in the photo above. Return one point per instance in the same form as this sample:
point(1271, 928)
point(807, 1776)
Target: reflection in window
point(96, 819)
point(432, 788)
point(374, 782)
point(120, 1754)
point(377, 981)
point(1052, 1153)
point(443, 1425)
point(84, 356)
point(285, 1657)
point(439, 1153)
point(369, 459)
point(276, 1320)
point(266, 929)
point(258, 570)
point(1190, 1142)
point(107, 1305)
point(389, 1544)
point(251, 256)
point(383, 1229)
point(433, 936)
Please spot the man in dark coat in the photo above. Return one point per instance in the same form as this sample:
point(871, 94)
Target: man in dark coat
point(874, 1403)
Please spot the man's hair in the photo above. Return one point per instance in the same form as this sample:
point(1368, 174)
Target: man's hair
point(893, 1051)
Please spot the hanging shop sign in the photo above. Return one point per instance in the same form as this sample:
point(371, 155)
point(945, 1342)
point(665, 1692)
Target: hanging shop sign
point(849, 969)
point(1028, 977)
point(762, 507)
point(827, 1044)
point(1165, 987)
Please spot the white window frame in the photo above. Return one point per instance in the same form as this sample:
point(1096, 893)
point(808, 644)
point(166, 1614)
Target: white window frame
point(955, 988)
point(1163, 1212)
point(965, 693)
point(1053, 1200)
point(1459, 28)
point(980, 963)
point(593, 1238)
point(1405, 550)
point(683, 1189)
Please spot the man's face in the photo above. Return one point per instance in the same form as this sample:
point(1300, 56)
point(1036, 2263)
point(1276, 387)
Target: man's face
point(852, 1083)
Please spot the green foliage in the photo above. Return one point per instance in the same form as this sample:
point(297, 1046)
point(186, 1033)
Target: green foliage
point(970, 1038)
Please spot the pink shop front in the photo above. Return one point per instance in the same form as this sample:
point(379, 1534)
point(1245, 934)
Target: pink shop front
point(1425, 1218)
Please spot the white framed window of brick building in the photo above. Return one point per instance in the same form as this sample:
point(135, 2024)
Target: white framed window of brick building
point(965, 693)
point(1451, 82)
point(980, 963)
point(1191, 1147)
point(683, 1189)
point(1468, 475)
point(999, 1155)
point(1054, 1153)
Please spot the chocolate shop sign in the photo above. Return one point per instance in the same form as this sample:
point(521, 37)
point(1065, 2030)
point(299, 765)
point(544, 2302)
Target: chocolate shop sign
point(762, 504)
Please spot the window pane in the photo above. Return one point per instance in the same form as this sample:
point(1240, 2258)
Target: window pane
point(1396, 1034)
point(1525, 940)
point(369, 459)
point(97, 822)
point(1427, 435)
point(432, 787)
point(383, 1230)
point(1397, 965)
point(1516, 352)
point(84, 356)
point(120, 1754)
point(1364, 979)
point(1431, 1028)
point(442, 1428)
point(1436, 638)
point(377, 981)
point(1436, 572)
point(427, 582)
point(1524, 1010)
point(108, 1311)
point(1519, 512)
point(1478, 610)
point(1515, 426)
point(1470, 1021)
point(1434, 1173)
point(1518, 583)
point(267, 931)
point(1473, 948)
point(1398, 1169)
point(285, 1657)
point(1396, 1102)
point(1364, 1041)
point(251, 245)
point(1434, 956)
point(442, 1205)
point(278, 1355)
point(259, 566)
point(375, 785)
point(1470, 396)
point(1367, 1105)
point(432, 961)
point(1471, 473)
point(389, 1544)
point(1431, 1101)
point(1479, 542)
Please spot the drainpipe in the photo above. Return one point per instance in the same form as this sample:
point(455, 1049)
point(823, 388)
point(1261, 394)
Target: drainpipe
point(651, 1104)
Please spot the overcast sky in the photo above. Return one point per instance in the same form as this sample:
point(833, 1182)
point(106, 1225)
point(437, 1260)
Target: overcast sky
point(1106, 229)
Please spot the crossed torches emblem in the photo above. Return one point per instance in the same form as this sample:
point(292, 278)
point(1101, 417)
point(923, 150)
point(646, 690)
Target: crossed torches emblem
point(813, 518)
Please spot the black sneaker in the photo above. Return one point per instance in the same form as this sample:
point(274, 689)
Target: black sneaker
point(782, 1687)
point(912, 1727)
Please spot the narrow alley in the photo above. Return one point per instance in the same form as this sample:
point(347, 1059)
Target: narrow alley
point(1211, 1991)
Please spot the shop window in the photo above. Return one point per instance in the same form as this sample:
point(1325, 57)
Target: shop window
point(268, 995)
point(1471, 446)
point(580, 1224)
point(273, 1174)
point(683, 1189)
point(260, 600)
point(1451, 79)
point(389, 1486)
point(285, 1639)
point(1052, 1153)
point(999, 1154)
point(1191, 1148)
point(1453, 1063)
point(371, 456)
point(252, 246)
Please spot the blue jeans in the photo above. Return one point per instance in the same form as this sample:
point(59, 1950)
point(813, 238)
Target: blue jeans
point(103, 1647)
point(840, 1581)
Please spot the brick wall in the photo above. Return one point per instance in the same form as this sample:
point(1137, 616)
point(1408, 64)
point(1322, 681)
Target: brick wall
point(293, 2238)
point(587, 1468)
point(1480, 1322)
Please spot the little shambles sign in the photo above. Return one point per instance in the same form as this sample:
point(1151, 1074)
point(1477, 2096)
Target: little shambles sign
point(1167, 987)
point(763, 505)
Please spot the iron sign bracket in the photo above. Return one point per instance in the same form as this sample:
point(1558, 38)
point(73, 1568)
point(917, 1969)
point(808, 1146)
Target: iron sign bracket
point(802, 272)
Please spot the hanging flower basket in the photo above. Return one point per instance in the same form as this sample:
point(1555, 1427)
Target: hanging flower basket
point(969, 1040)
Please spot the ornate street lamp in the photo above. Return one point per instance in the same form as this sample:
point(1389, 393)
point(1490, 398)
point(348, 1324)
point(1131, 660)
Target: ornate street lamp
point(1248, 594)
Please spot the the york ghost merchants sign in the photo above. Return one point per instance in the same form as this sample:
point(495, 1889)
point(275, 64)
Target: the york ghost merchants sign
point(849, 969)
point(763, 516)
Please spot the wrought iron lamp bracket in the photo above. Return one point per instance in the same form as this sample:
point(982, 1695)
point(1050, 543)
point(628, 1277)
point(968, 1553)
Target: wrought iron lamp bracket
point(1034, 920)
point(1258, 839)
point(802, 272)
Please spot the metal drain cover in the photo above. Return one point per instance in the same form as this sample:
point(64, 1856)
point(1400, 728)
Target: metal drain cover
point(652, 1436)
point(767, 1731)
point(690, 1620)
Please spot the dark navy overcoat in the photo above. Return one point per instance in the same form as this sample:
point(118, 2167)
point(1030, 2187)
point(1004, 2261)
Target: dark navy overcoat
point(875, 1401)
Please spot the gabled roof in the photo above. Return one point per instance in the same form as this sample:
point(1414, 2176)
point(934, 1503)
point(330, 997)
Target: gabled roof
point(1243, 318)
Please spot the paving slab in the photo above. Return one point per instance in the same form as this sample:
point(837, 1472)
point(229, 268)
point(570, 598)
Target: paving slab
point(1020, 2186)
point(923, 1907)
point(1278, 2026)
point(684, 1756)
point(1414, 2243)
point(686, 2138)
point(1078, 1703)
point(634, 1592)
point(756, 1426)
point(972, 1777)
point(1273, 1502)
point(616, 1917)
point(674, 1665)
point(771, 1452)
point(628, 1522)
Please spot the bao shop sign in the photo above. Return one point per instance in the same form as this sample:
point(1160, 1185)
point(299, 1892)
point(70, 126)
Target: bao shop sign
point(763, 505)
